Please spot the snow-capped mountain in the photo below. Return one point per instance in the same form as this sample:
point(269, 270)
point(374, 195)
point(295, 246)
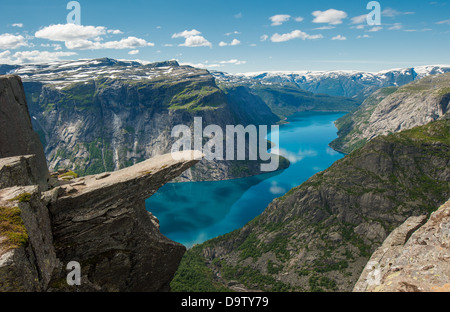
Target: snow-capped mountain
point(355, 84)
point(63, 73)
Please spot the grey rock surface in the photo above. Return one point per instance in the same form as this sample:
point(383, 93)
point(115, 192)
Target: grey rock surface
point(16, 132)
point(414, 258)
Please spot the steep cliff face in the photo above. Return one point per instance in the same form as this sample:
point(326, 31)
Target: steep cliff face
point(394, 109)
point(415, 257)
point(98, 221)
point(16, 132)
point(319, 236)
point(102, 115)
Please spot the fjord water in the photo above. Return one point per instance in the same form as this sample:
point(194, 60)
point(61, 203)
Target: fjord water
point(193, 212)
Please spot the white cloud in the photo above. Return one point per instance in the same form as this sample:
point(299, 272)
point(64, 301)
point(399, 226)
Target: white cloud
point(331, 16)
point(70, 32)
point(19, 25)
point(9, 41)
point(55, 46)
point(239, 15)
point(359, 19)
point(299, 19)
point(396, 26)
point(375, 29)
point(35, 57)
point(196, 41)
point(279, 19)
point(389, 12)
point(126, 43)
point(133, 52)
point(363, 37)
point(444, 22)
point(325, 28)
point(339, 37)
point(233, 33)
point(264, 37)
point(295, 34)
point(193, 39)
point(114, 31)
point(186, 34)
point(233, 61)
point(235, 42)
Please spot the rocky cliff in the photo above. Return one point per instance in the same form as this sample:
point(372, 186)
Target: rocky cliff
point(320, 235)
point(103, 115)
point(414, 258)
point(16, 132)
point(394, 109)
point(98, 221)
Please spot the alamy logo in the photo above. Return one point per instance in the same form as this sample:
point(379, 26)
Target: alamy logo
point(374, 17)
point(234, 138)
point(74, 276)
point(74, 17)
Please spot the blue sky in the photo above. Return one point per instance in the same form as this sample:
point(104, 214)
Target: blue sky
point(232, 36)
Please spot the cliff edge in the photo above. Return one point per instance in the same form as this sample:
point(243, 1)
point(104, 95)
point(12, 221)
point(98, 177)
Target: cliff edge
point(414, 258)
point(97, 221)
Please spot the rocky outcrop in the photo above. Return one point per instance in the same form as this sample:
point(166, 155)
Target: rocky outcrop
point(320, 235)
point(414, 258)
point(103, 115)
point(98, 221)
point(394, 109)
point(16, 132)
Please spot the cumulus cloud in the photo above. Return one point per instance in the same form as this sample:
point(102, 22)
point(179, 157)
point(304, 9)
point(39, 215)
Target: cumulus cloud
point(339, 37)
point(192, 39)
point(235, 42)
point(196, 41)
point(279, 19)
point(359, 19)
point(186, 34)
point(9, 41)
point(19, 25)
point(126, 43)
point(299, 19)
point(295, 34)
point(133, 52)
point(331, 16)
point(70, 32)
point(79, 37)
point(35, 57)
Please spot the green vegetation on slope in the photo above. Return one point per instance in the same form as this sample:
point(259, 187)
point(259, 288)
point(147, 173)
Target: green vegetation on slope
point(319, 236)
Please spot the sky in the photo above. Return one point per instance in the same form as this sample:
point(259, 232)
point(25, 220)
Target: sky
point(231, 36)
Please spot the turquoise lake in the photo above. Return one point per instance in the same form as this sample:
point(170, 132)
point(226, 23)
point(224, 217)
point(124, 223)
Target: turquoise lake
point(193, 212)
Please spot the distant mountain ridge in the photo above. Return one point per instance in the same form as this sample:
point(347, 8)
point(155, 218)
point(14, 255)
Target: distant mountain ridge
point(394, 109)
point(348, 83)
